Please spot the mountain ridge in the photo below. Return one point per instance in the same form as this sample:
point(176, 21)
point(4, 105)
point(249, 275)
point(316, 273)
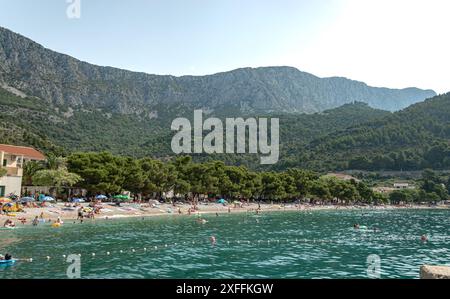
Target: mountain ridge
point(63, 80)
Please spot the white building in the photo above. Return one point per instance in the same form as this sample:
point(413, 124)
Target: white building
point(403, 186)
point(12, 158)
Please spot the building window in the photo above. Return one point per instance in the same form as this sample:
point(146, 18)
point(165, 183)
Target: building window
point(4, 162)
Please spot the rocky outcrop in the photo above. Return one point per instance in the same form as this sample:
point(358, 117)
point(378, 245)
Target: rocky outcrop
point(434, 272)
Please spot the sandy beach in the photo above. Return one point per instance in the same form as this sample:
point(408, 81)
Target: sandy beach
point(111, 211)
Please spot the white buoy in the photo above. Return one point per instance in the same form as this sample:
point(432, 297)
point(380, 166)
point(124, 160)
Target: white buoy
point(30, 259)
point(121, 251)
point(132, 250)
point(145, 249)
point(156, 247)
point(48, 257)
point(93, 254)
point(107, 253)
point(165, 245)
point(64, 256)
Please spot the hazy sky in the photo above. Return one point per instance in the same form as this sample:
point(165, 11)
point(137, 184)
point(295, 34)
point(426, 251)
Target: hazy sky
point(392, 43)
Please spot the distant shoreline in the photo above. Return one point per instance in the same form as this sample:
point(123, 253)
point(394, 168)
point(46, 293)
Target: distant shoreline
point(111, 212)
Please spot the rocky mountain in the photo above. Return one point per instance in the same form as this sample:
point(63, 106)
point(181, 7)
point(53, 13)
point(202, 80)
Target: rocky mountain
point(62, 81)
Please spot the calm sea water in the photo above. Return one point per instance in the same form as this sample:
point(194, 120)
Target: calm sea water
point(319, 244)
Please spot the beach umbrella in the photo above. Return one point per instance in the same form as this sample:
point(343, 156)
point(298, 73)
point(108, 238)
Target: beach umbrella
point(5, 200)
point(47, 198)
point(122, 197)
point(78, 200)
point(26, 199)
point(101, 196)
point(221, 201)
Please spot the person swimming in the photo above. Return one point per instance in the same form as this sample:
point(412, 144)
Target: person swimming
point(6, 257)
point(201, 221)
point(9, 223)
point(424, 238)
point(356, 226)
point(213, 240)
point(35, 221)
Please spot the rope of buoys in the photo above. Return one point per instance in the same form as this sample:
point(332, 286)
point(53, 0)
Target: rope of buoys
point(156, 247)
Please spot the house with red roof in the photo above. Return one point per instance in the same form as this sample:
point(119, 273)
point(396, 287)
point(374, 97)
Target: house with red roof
point(12, 158)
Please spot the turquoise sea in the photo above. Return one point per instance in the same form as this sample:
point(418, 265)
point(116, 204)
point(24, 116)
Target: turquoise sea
point(317, 244)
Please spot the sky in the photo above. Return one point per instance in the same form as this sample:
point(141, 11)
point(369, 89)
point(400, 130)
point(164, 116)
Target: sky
point(388, 43)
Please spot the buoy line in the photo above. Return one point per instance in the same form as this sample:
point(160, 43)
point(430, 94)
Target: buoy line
point(153, 248)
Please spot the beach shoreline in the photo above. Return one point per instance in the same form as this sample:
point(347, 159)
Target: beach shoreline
point(110, 211)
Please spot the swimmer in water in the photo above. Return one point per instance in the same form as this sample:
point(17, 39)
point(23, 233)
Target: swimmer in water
point(213, 240)
point(424, 238)
point(201, 221)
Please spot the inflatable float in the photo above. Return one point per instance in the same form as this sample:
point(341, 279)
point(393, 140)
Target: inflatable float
point(7, 262)
point(56, 224)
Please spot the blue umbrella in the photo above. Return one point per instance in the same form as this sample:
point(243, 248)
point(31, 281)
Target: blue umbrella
point(26, 199)
point(101, 196)
point(77, 200)
point(47, 198)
